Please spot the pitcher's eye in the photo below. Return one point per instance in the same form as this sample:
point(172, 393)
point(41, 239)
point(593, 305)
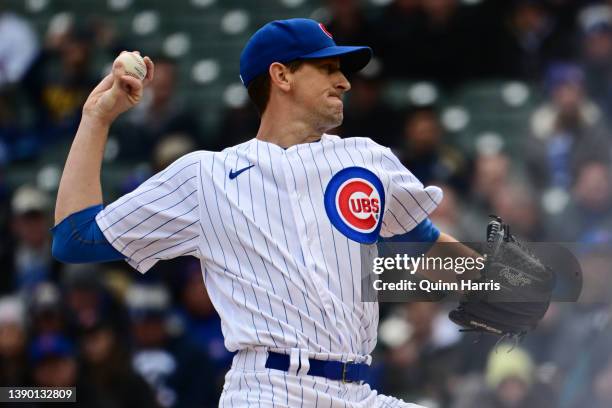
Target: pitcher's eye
point(331, 68)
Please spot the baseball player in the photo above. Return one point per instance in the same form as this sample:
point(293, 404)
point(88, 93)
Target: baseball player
point(277, 222)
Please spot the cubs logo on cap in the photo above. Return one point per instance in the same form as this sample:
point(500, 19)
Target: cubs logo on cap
point(324, 29)
point(354, 202)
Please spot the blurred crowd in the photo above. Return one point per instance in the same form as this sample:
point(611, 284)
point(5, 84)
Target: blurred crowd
point(126, 339)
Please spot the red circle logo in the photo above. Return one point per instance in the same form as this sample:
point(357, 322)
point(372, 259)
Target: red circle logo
point(358, 204)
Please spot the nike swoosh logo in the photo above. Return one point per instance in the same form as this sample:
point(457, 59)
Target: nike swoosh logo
point(233, 174)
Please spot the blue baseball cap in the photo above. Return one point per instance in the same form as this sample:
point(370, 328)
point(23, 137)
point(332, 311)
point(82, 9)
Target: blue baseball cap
point(297, 38)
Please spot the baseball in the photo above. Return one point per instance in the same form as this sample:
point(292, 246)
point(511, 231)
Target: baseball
point(133, 64)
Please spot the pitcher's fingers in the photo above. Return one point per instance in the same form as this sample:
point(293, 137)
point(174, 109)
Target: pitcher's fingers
point(130, 84)
point(118, 69)
point(150, 70)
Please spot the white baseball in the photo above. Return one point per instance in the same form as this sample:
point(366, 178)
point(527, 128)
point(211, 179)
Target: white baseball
point(133, 64)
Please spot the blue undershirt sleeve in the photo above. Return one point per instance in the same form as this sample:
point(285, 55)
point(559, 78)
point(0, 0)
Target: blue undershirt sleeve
point(424, 235)
point(426, 231)
point(78, 239)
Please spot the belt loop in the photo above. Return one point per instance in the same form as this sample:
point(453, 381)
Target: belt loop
point(294, 361)
point(304, 363)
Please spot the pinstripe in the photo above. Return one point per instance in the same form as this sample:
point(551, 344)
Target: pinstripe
point(204, 234)
point(243, 365)
point(167, 248)
point(415, 200)
point(236, 255)
point(286, 388)
point(320, 239)
point(148, 203)
point(344, 148)
point(212, 224)
point(251, 285)
point(301, 392)
point(262, 261)
point(286, 242)
point(280, 213)
point(330, 227)
point(268, 248)
point(365, 147)
point(359, 151)
point(258, 382)
point(404, 208)
point(272, 393)
point(161, 239)
point(160, 226)
point(191, 252)
point(255, 277)
point(153, 215)
point(327, 391)
point(299, 205)
point(220, 246)
point(344, 391)
point(111, 208)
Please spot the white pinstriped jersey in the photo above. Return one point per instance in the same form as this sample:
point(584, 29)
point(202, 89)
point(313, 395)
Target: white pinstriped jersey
point(279, 262)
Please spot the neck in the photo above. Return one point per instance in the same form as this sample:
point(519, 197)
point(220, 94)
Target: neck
point(278, 129)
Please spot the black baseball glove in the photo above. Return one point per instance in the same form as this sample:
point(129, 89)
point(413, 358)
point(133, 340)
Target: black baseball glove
point(525, 288)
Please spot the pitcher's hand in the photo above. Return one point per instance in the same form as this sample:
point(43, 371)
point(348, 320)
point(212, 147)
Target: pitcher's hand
point(116, 93)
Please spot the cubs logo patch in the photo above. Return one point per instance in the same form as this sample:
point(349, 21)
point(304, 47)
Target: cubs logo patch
point(354, 203)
